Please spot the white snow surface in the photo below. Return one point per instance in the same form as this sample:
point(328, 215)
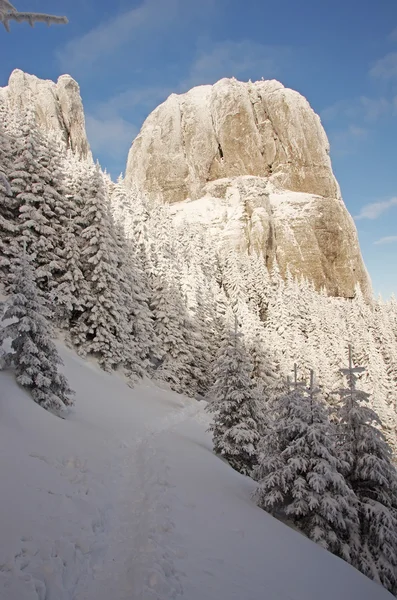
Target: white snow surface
point(124, 500)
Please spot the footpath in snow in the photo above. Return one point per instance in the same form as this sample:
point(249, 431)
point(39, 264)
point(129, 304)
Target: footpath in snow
point(124, 500)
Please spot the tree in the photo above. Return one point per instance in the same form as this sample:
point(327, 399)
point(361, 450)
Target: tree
point(233, 401)
point(300, 473)
point(373, 478)
point(102, 328)
point(32, 352)
point(8, 13)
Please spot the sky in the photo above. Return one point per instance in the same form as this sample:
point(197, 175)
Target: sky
point(129, 55)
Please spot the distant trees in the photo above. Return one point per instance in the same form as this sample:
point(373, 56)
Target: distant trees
point(8, 13)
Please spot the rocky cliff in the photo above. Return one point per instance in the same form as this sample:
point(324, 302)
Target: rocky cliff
point(57, 106)
point(252, 160)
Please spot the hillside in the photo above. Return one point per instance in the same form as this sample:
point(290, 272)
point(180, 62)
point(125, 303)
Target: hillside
point(124, 499)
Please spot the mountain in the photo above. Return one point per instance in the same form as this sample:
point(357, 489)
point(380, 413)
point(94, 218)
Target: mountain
point(252, 160)
point(57, 106)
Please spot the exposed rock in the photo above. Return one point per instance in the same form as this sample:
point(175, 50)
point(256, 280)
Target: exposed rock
point(58, 106)
point(227, 130)
point(252, 159)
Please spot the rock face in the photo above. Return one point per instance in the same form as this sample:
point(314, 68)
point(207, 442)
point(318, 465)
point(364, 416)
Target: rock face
point(252, 159)
point(57, 106)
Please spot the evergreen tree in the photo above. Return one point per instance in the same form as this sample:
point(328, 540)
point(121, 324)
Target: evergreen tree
point(300, 474)
point(101, 329)
point(233, 401)
point(32, 352)
point(71, 293)
point(372, 475)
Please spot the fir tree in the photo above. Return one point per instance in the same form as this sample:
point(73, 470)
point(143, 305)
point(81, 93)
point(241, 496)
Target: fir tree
point(233, 401)
point(300, 474)
point(32, 352)
point(373, 478)
point(101, 329)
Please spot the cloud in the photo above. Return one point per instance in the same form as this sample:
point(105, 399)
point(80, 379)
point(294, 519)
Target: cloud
point(130, 99)
point(363, 108)
point(111, 137)
point(140, 24)
point(390, 239)
point(385, 68)
point(243, 59)
point(344, 141)
point(376, 209)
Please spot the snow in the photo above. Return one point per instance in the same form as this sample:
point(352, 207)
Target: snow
point(124, 500)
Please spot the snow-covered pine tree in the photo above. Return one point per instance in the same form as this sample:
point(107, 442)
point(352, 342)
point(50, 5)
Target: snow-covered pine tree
point(233, 401)
point(101, 329)
point(372, 475)
point(37, 201)
point(71, 293)
point(33, 354)
point(300, 473)
point(8, 205)
point(8, 13)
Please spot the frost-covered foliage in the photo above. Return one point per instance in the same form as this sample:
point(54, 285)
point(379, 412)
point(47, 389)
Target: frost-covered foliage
point(150, 295)
point(32, 353)
point(372, 475)
point(233, 401)
point(300, 473)
point(8, 13)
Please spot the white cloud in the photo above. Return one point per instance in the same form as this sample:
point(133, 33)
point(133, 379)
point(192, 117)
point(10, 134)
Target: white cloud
point(386, 67)
point(376, 209)
point(128, 29)
point(344, 141)
point(112, 136)
point(131, 32)
point(390, 239)
point(244, 59)
point(363, 108)
point(129, 99)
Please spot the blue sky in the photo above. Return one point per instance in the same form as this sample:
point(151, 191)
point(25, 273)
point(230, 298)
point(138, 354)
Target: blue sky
point(128, 56)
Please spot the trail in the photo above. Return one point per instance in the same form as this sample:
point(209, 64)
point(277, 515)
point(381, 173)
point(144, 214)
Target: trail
point(138, 563)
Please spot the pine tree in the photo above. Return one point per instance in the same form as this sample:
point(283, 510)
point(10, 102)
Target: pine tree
point(101, 329)
point(32, 352)
point(300, 474)
point(71, 293)
point(372, 476)
point(233, 401)
point(8, 13)
point(8, 212)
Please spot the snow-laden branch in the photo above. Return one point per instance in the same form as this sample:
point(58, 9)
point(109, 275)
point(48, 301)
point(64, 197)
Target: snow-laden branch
point(8, 13)
point(5, 183)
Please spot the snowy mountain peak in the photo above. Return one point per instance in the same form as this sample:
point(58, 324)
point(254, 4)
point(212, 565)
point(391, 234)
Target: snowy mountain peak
point(58, 106)
point(258, 154)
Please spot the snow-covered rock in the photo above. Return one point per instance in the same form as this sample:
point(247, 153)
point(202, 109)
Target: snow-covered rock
point(58, 106)
point(260, 152)
point(312, 236)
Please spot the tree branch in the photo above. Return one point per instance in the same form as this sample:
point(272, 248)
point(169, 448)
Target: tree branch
point(8, 13)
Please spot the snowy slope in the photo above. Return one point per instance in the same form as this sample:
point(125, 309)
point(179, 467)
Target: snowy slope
point(125, 501)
